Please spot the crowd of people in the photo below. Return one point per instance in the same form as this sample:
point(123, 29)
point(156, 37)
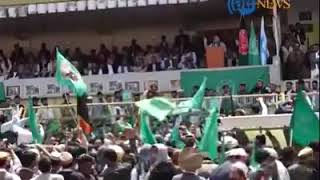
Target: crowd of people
point(123, 157)
point(160, 56)
point(185, 52)
point(298, 60)
point(120, 154)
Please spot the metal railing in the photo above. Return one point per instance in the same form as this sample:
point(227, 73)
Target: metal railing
point(244, 103)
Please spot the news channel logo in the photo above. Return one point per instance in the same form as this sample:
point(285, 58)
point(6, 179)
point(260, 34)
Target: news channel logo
point(243, 7)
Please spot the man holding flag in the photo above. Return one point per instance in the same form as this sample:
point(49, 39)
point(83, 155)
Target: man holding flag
point(67, 75)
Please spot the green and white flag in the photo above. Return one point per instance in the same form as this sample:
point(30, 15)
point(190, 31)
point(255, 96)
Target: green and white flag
point(67, 75)
point(304, 123)
point(253, 48)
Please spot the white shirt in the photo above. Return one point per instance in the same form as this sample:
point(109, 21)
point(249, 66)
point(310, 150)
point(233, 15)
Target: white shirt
point(5, 175)
point(110, 69)
point(50, 67)
point(286, 52)
point(123, 69)
point(5, 69)
point(48, 176)
point(154, 67)
point(184, 58)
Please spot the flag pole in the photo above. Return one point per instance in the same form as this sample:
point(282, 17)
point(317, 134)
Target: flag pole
point(74, 117)
point(291, 138)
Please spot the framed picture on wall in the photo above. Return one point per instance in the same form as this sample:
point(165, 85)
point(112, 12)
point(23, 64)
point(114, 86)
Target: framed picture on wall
point(305, 16)
point(32, 90)
point(53, 89)
point(114, 85)
point(148, 83)
point(13, 90)
point(96, 87)
point(133, 86)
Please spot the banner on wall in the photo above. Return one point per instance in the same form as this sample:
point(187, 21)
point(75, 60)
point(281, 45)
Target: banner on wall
point(232, 77)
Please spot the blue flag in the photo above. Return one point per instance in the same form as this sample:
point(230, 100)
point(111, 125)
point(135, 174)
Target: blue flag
point(264, 53)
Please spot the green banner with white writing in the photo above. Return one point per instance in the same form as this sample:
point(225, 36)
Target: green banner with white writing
point(217, 78)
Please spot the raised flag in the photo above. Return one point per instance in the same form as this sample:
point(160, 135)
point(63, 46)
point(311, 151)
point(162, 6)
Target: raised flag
point(253, 48)
point(264, 53)
point(209, 141)
point(304, 123)
point(175, 137)
point(33, 123)
point(157, 107)
point(194, 103)
point(146, 134)
point(243, 43)
point(67, 75)
point(83, 115)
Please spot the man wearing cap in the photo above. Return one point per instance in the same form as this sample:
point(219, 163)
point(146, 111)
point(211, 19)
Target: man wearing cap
point(55, 158)
point(189, 162)
point(232, 156)
point(302, 170)
point(270, 166)
point(4, 162)
point(67, 168)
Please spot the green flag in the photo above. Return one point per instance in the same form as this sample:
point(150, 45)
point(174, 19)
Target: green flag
point(146, 134)
point(67, 75)
point(304, 122)
point(33, 124)
point(2, 94)
point(253, 163)
point(157, 107)
point(253, 48)
point(208, 143)
point(175, 134)
point(194, 103)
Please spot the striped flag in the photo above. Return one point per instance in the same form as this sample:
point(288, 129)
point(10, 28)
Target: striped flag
point(82, 110)
point(264, 53)
point(243, 43)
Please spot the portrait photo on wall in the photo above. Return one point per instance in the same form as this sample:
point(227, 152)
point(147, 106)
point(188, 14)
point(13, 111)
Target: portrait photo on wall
point(53, 89)
point(133, 86)
point(148, 83)
point(32, 90)
point(13, 90)
point(114, 85)
point(96, 87)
